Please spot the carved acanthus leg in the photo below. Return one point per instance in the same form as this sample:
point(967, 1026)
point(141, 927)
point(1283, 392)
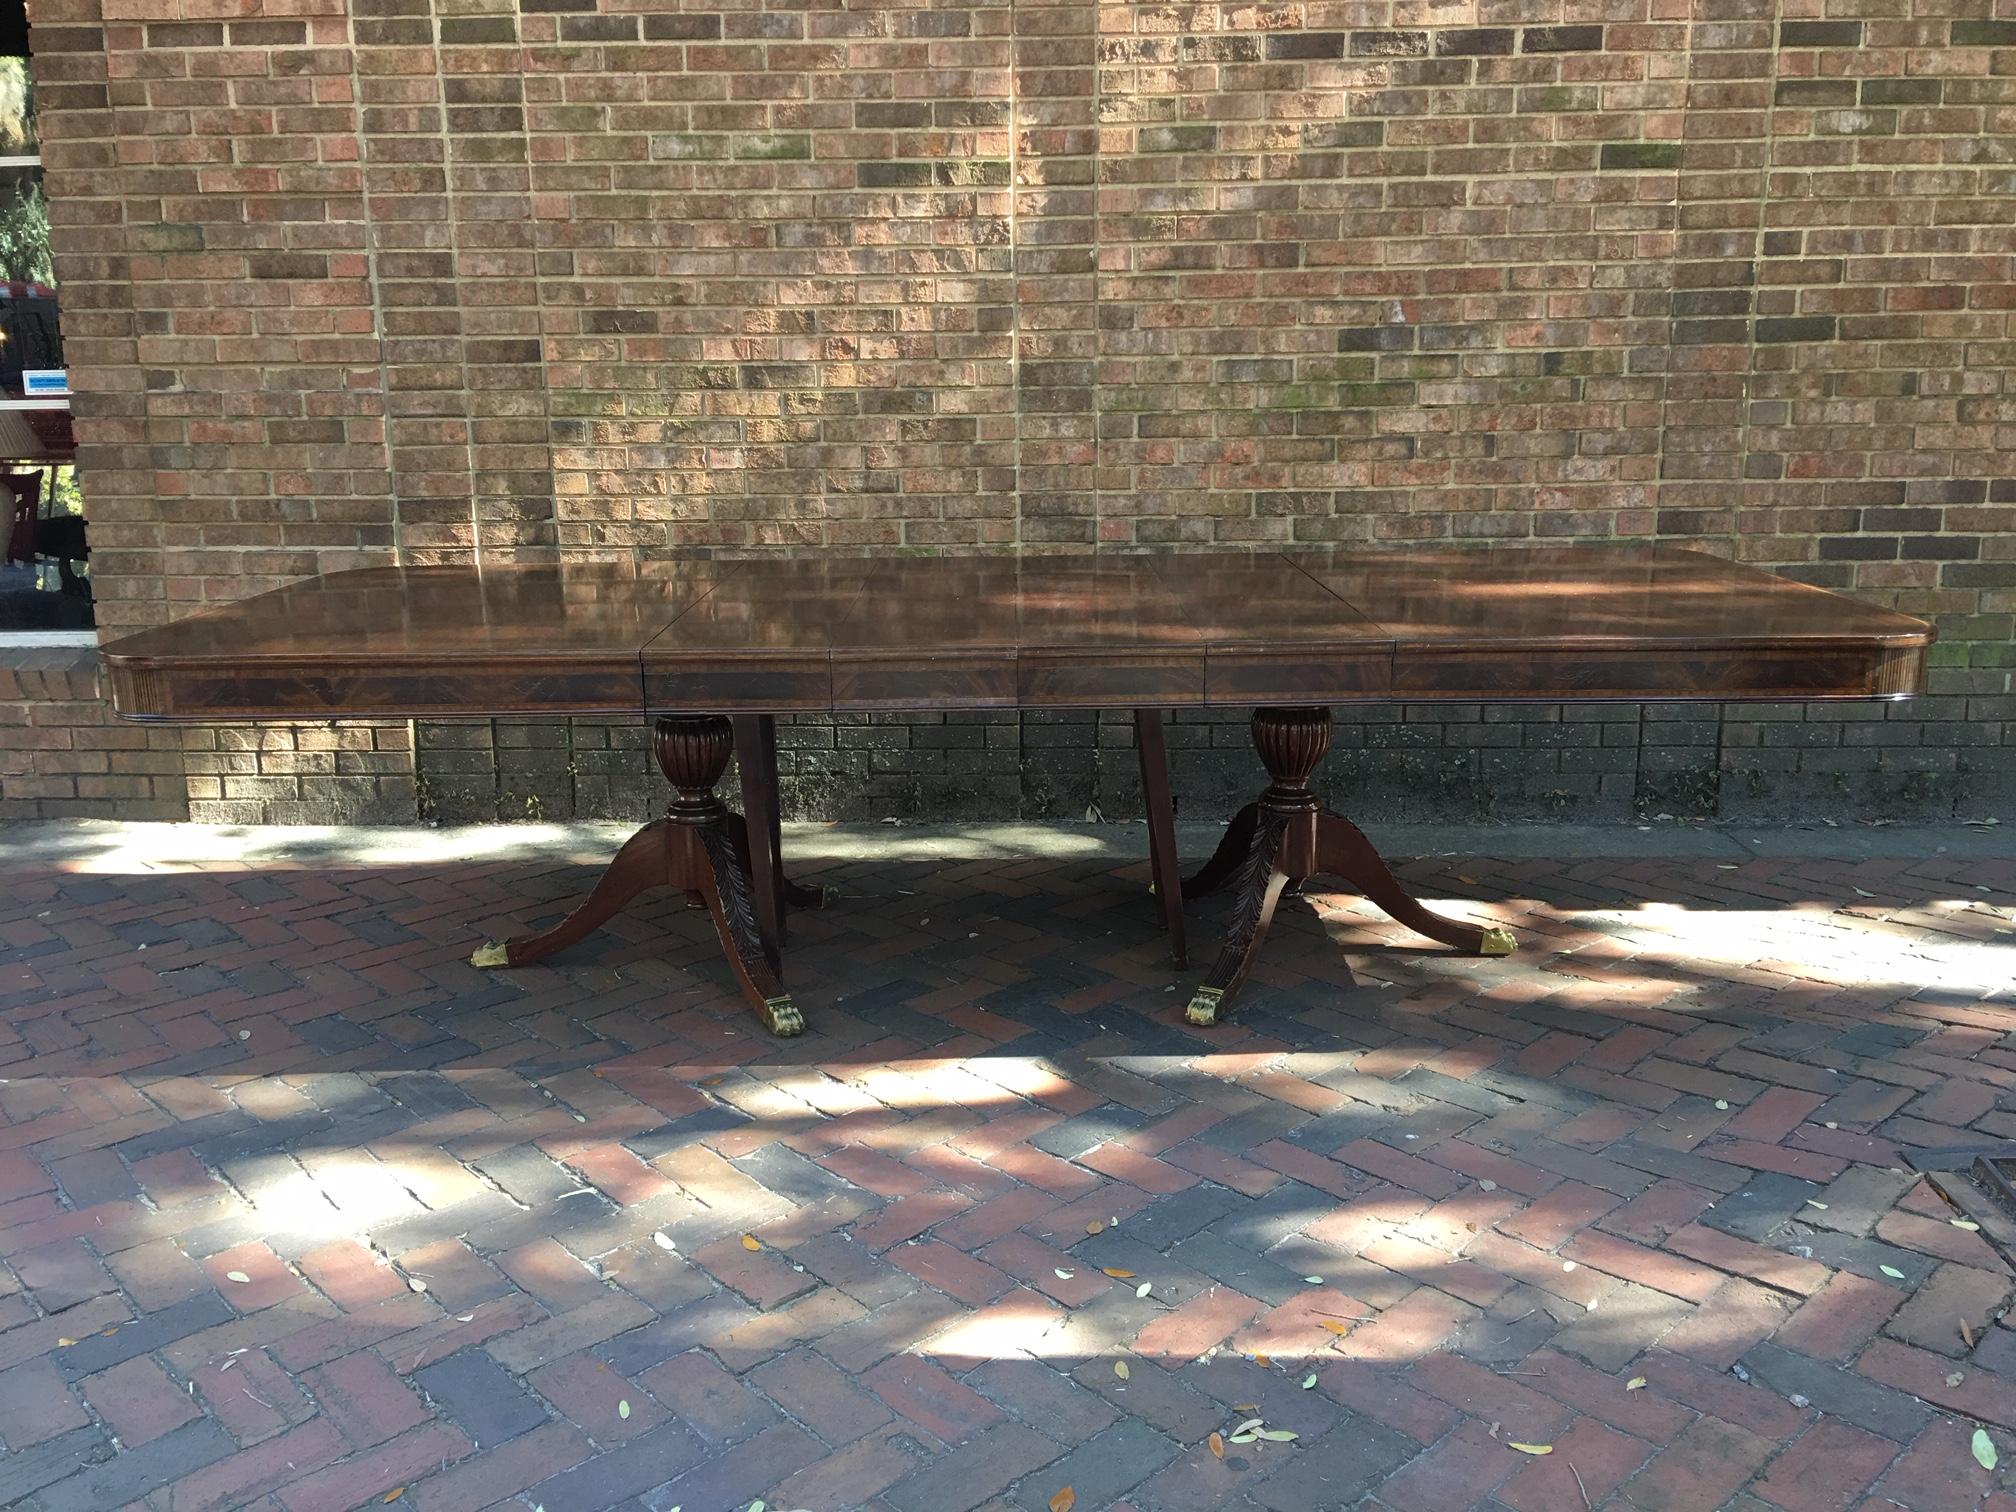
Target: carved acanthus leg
point(722, 871)
point(1258, 880)
point(1232, 848)
point(1163, 864)
point(1342, 851)
point(644, 862)
point(698, 846)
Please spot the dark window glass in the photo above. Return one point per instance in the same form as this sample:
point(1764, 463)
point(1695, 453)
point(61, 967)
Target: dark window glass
point(45, 575)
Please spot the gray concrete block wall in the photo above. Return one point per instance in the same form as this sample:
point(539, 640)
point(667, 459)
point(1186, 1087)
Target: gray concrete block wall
point(1944, 755)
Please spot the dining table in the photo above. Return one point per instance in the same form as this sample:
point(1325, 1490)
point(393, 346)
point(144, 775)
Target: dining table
point(712, 650)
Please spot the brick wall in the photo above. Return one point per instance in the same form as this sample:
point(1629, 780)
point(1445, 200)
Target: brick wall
point(64, 755)
point(346, 279)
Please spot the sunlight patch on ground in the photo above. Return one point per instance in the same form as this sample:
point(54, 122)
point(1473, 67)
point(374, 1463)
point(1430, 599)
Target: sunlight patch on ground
point(1852, 951)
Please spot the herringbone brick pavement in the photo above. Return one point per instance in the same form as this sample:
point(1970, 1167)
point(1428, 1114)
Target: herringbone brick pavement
point(298, 1211)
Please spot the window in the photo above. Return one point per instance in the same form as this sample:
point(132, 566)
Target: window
point(45, 576)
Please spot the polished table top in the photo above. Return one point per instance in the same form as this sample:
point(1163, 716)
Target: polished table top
point(785, 634)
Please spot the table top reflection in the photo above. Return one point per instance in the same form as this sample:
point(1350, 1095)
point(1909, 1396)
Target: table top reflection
point(1546, 595)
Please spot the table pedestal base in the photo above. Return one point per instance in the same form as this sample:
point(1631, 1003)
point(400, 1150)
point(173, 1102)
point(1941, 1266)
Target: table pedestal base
point(1285, 837)
point(700, 846)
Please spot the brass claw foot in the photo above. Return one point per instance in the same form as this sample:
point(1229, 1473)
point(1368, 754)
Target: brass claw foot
point(491, 953)
point(809, 895)
point(780, 1016)
point(1498, 941)
point(1204, 1006)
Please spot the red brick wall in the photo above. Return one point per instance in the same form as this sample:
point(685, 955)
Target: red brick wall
point(624, 276)
point(64, 755)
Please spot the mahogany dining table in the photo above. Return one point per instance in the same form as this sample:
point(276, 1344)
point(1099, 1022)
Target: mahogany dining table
point(712, 650)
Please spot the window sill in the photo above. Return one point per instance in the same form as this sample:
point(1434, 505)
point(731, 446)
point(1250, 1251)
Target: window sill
point(47, 640)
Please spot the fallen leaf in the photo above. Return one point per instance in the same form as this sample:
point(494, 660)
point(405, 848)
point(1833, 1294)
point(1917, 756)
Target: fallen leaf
point(662, 1241)
point(1892, 1272)
point(1217, 1443)
point(1962, 1223)
point(1313, 1280)
point(1244, 1438)
point(416, 1283)
point(623, 1410)
point(1064, 1500)
point(1530, 1448)
point(1263, 1362)
point(1636, 1383)
point(1721, 1105)
point(239, 1276)
point(1279, 1435)
point(1120, 1369)
point(1144, 1288)
point(1861, 894)
point(65, 1343)
point(1117, 1273)
point(1064, 1275)
point(394, 1494)
point(1096, 1226)
point(1308, 1381)
point(1966, 1334)
point(1487, 1186)
point(1247, 1427)
point(1245, 1406)
point(1984, 1450)
point(751, 1243)
point(1956, 1378)
point(1339, 1329)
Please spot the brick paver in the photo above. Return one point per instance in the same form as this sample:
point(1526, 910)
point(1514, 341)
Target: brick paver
point(297, 1210)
